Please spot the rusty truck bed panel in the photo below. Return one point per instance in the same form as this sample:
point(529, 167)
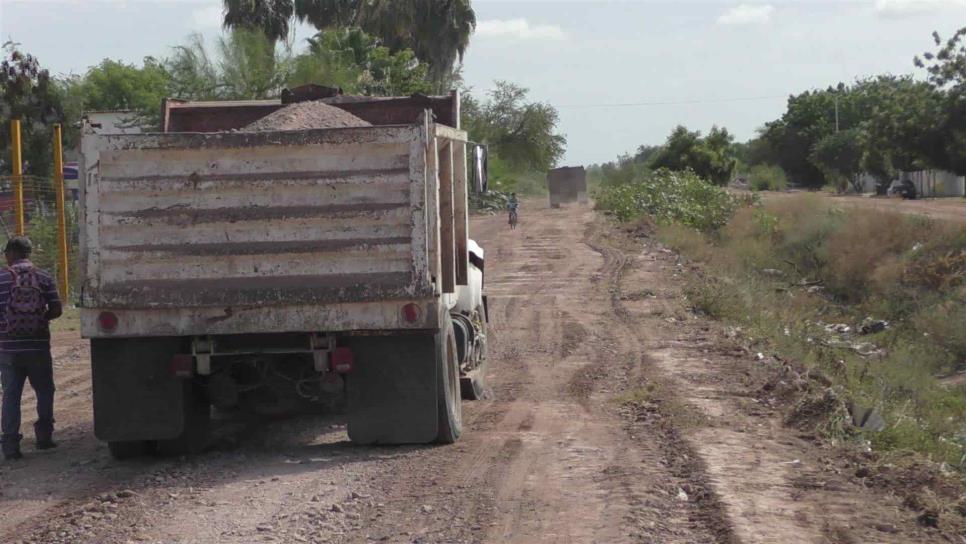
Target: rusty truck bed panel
point(244, 233)
point(217, 220)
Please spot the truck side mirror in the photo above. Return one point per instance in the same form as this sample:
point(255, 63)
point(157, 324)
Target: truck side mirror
point(479, 154)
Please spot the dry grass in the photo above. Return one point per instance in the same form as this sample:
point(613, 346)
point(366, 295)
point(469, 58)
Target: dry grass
point(759, 271)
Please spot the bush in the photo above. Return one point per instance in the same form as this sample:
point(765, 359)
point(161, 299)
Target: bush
point(767, 177)
point(669, 197)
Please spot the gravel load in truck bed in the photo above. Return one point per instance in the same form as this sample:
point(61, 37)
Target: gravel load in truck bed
point(306, 115)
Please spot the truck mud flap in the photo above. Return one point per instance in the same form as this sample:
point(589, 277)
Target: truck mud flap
point(135, 395)
point(392, 390)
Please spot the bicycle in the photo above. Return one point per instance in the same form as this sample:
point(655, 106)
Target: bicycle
point(513, 219)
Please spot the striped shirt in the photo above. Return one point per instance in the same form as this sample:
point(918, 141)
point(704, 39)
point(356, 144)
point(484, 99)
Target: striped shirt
point(41, 342)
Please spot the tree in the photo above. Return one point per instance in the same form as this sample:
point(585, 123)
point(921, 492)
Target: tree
point(519, 132)
point(839, 157)
point(354, 61)
point(114, 85)
point(947, 74)
point(248, 66)
point(645, 153)
point(437, 31)
point(711, 158)
point(194, 76)
point(897, 118)
point(28, 93)
point(271, 17)
point(899, 132)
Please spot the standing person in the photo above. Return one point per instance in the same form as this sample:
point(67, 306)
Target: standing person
point(28, 302)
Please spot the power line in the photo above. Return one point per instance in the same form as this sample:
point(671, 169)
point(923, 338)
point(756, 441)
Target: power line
point(674, 102)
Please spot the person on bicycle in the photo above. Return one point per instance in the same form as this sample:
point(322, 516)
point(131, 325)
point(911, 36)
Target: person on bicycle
point(512, 205)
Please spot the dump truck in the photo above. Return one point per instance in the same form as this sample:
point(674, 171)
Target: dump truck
point(282, 271)
point(566, 185)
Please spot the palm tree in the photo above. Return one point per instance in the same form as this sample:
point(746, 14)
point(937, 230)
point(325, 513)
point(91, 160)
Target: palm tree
point(437, 31)
point(270, 16)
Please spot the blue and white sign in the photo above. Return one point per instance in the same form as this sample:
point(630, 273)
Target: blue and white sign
point(71, 170)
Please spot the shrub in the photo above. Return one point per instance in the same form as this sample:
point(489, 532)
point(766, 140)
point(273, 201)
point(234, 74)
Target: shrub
point(669, 197)
point(767, 177)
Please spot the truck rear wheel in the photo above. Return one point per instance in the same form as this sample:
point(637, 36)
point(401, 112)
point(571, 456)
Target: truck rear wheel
point(450, 408)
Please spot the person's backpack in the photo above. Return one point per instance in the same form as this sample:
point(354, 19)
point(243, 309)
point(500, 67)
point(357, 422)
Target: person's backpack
point(27, 307)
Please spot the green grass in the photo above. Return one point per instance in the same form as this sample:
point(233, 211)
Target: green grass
point(68, 322)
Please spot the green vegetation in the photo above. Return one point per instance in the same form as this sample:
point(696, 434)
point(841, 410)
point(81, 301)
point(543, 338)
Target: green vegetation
point(878, 125)
point(885, 124)
point(785, 270)
point(767, 177)
point(520, 134)
point(356, 62)
point(438, 33)
point(27, 92)
point(828, 137)
point(711, 157)
point(668, 197)
point(69, 322)
point(839, 157)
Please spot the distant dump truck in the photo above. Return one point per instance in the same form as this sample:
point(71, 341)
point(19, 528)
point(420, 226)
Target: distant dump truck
point(277, 271)
point(568, 184)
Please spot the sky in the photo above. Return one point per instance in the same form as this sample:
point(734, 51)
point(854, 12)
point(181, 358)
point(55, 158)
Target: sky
point(621, 73)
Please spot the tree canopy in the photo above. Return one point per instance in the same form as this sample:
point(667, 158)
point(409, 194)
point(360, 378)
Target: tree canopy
point(711, 157)
point(898, 124)
point(354, 61)
point(437, 31)
point(520, 132)
point(28, 93)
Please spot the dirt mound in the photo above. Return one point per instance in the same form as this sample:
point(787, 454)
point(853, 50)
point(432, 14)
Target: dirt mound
point(306, 115)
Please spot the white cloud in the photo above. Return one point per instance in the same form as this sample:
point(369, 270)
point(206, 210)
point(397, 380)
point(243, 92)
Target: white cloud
point(898, 8)
point(207, 17)
point(746, 14)
point(518, 29)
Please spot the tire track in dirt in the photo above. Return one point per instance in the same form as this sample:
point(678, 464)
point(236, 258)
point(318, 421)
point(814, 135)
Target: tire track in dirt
point(750, 475)
point(600, 425)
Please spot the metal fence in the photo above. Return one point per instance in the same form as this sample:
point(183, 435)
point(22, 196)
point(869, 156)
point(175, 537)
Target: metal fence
point(42, 209)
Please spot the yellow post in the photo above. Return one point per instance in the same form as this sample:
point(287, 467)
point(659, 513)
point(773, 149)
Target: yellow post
point(61, 213)
point(17, 173)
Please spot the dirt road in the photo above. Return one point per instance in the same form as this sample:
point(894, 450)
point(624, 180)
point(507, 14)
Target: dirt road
point(945, 209)
point(614, 415)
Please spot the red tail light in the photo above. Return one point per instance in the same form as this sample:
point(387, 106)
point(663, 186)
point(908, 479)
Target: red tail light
point(182, 366)
point(412, 312)
point(107, 321)
point(342, 360)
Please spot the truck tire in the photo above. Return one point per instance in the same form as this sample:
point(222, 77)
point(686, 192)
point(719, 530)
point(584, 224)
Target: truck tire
point(450, 408)
point(121, 450)
point(473, 384)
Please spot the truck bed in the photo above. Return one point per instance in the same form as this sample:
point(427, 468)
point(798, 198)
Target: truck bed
point(232, 233)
